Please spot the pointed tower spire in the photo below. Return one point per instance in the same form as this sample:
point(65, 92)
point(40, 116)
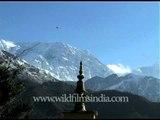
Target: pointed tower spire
point(80, 70)
point(79, 111)
point(80, 76)
point(80, 90)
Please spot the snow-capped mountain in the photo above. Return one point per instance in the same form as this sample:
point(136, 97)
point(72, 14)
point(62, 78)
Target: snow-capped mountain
point(60, 60)
point(146, 86)
point(27, 71)
point(122, 70)
point(9, 46)
point(148, 71)
point(30, 74)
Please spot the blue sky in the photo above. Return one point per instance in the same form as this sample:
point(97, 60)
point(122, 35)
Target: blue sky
point(114, 32)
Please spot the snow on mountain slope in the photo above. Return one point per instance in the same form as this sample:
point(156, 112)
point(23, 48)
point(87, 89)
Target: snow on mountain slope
point(140, 85)
point(146, 86)
point(28, 72)
point(148, 70)
point(8, 46)
point(61, 60)
point(122, 70)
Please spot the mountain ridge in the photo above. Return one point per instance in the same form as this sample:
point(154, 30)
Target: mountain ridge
point(146, 86)
point(61, 60)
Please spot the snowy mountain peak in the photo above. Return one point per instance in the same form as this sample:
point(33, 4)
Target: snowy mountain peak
point(8, 45)
point(152, 70)
point(61, 60)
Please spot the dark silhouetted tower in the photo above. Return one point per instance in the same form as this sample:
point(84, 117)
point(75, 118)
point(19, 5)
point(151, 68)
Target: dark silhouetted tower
point(80, 111)
point(80, 91)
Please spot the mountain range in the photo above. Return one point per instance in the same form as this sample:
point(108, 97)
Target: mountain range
point(152, 70)
point(146, 86)
point(58, 59)
point(38, 83)
point(61, 61)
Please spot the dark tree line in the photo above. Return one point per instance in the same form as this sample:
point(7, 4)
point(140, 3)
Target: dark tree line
point(11, 104)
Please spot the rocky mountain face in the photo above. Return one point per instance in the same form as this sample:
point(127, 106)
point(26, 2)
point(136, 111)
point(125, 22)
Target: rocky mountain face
point(58, 59)
point(148, 71)
point(28, 71)
point(146, 86)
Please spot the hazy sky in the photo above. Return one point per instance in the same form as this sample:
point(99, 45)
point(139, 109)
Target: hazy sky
point(114, 32)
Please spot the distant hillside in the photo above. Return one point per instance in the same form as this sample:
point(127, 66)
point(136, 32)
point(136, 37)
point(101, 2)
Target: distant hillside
point(146, 86)
point(137, 107)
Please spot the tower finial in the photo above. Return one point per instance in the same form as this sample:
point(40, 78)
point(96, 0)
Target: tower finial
point(80, 76)
point(81, 69)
